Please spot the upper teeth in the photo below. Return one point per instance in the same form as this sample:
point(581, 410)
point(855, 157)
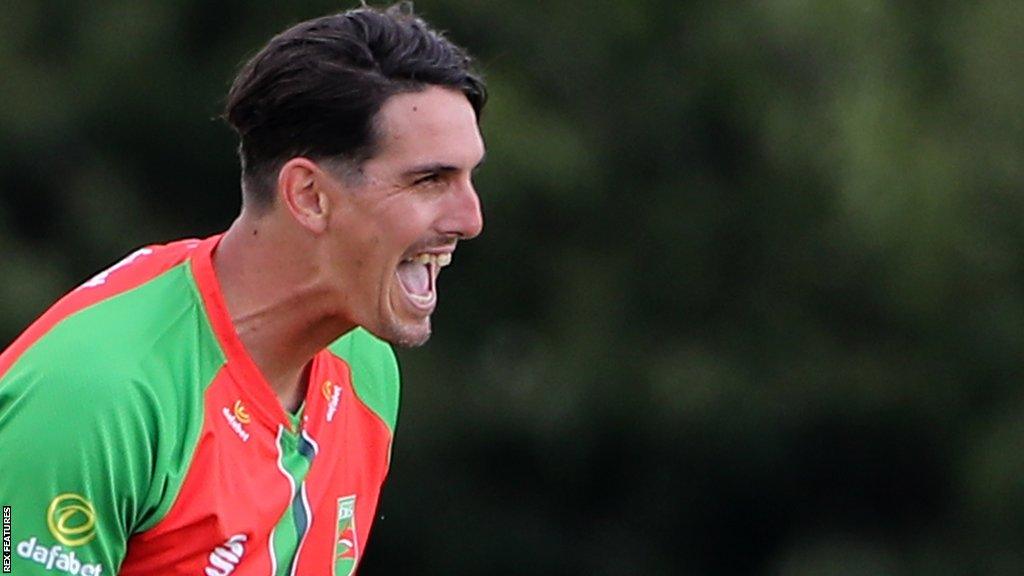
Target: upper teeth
point(441, 260)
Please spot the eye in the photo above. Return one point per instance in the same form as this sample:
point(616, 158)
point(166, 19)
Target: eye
point(431, 178)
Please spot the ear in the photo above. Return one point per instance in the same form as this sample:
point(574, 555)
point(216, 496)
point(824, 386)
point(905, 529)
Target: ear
point(301, 189)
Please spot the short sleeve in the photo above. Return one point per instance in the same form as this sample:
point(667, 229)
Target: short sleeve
point(76, 460)
point(375, 373)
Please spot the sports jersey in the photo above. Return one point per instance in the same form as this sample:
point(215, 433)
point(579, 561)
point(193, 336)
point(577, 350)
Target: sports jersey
point(137, 436)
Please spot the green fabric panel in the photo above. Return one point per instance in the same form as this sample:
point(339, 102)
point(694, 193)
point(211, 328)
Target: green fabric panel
point(375, 375)
point(105, 408)
point(285, 543)
point(296, 418)
point(287, 532)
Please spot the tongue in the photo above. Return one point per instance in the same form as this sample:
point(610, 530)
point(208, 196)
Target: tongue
point(415, 278)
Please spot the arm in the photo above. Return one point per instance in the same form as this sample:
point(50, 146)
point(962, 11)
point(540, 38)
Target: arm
point(75, 465)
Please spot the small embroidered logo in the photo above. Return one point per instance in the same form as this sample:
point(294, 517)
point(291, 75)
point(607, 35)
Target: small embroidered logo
point(333, 395)
point(237, 418)
point(226, 557)
point(240, 413)
point(101, 278)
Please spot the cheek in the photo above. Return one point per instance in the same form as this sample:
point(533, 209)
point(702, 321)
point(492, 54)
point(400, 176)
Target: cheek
point(415, 224)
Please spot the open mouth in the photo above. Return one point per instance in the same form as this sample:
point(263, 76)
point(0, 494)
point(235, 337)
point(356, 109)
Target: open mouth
point(418, 278)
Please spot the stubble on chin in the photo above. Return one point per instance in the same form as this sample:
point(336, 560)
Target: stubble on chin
point(407, 337)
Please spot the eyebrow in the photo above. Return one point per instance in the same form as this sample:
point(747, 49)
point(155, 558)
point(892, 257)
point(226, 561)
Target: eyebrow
point(439, 168)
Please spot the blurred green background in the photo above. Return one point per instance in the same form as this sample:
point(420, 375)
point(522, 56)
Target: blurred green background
point(749, 297)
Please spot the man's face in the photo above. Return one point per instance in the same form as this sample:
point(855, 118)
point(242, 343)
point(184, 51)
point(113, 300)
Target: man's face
point(396, 224)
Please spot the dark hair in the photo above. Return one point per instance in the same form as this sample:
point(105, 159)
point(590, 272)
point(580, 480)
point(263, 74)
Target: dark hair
point(315, 89)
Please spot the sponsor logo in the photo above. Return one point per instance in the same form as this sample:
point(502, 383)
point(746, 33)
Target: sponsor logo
point(346, 543)
point(332, 393)
point(237, 417)
point(240, 412)
point(71, 519)
point(226, 557)
point(56, 558)
point(101, 278)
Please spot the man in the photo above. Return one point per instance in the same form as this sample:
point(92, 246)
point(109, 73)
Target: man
point(226, 406)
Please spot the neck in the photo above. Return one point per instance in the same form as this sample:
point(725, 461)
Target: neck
point(279, 305)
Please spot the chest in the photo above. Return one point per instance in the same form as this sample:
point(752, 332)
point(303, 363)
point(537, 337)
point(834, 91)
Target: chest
point(263, 499)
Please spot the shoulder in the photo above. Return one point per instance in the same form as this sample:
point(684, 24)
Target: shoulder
point(125, 333)
point(118, 378)
point(111, 350)
point(136, 271)
point(375, 374)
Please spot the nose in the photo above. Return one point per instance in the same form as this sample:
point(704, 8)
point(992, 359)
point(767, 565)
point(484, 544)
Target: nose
point(464, 217)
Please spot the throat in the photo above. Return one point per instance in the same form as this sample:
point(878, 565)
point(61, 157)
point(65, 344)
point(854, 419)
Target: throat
point(291, 391)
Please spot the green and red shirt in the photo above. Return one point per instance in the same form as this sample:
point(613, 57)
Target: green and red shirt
point(137, 436)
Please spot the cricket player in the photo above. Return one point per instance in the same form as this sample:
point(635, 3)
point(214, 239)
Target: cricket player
point(226, 405)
